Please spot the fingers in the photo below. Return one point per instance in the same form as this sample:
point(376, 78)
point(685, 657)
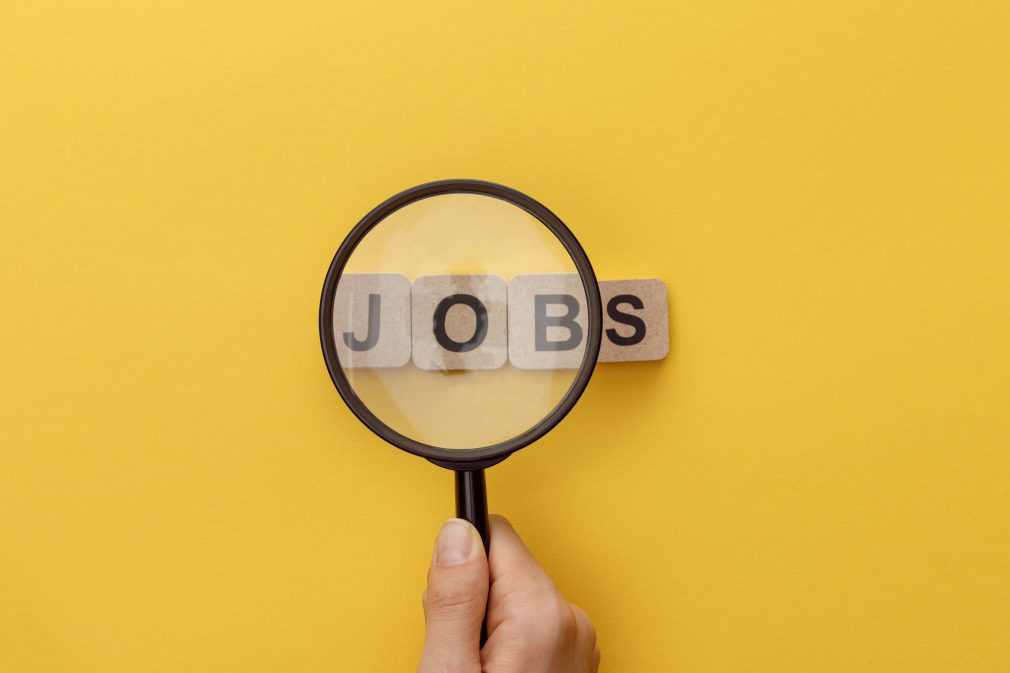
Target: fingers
point(521, 592)
point(511, 564)
point(455, 600)
point(529, 622)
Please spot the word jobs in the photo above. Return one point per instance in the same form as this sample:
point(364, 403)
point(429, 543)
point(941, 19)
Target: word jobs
point(454, 322)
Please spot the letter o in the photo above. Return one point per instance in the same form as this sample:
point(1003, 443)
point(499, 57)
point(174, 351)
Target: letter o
point(438, 323)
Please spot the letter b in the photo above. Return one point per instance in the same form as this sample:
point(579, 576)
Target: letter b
point(567, 321)
point(547, 321)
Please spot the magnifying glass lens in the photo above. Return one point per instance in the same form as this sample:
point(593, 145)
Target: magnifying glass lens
point(460, 320)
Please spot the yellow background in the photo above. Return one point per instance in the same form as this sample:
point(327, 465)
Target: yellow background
point(815, 480)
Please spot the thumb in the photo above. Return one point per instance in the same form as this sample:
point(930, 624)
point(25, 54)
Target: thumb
point(455, 601)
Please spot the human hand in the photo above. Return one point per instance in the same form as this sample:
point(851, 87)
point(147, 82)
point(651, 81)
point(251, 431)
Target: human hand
point(531, 627)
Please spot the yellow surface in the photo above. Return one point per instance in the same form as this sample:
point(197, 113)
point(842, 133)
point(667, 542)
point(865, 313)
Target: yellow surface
point(816, 480)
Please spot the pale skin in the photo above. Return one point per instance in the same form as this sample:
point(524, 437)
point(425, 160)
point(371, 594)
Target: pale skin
point(531, 627)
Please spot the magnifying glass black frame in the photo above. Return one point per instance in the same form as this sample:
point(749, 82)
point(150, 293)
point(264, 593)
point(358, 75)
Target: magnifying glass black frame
point(469, 463)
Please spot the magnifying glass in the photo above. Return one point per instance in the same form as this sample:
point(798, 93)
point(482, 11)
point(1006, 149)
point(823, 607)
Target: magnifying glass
point(460, 321)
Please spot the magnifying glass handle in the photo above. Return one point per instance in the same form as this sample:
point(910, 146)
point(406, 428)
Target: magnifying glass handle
point(471, 504)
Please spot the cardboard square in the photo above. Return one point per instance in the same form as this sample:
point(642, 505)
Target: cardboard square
point(635, 320)
point(547, 321)
point(459, 322)
point(371, 320)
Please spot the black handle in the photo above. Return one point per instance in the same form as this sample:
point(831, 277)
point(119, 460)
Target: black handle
point(471, 504)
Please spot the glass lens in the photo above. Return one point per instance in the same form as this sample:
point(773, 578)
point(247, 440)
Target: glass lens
point(460, 320)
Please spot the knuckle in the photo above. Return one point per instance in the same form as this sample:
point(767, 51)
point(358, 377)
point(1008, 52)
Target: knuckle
point(554, 623)
point(565, 620)
point(451, 600)
point(585, 627)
